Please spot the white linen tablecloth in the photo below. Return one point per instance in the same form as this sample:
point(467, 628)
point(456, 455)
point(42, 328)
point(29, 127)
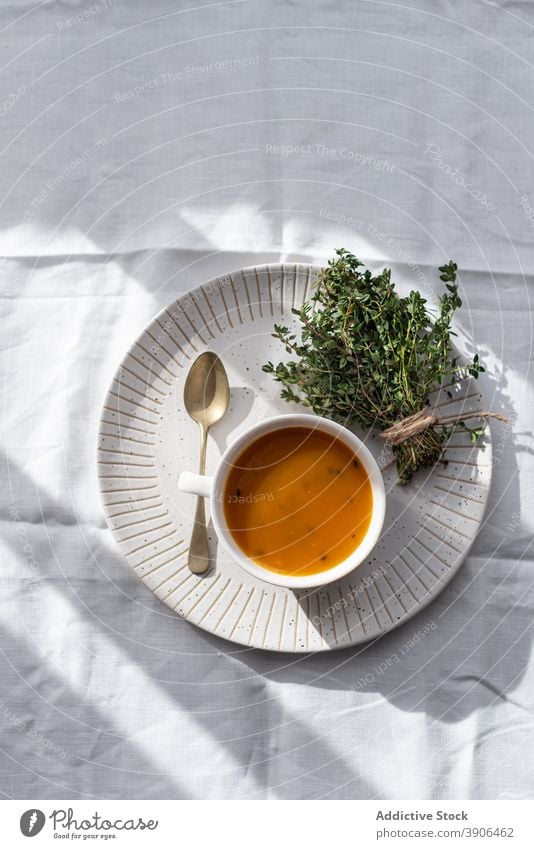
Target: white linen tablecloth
point(146, 147)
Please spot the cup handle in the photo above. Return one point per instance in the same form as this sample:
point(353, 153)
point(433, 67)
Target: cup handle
point(197, 484)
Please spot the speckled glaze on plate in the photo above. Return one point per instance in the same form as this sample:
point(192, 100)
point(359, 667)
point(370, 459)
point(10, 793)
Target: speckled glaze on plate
point(146, 440)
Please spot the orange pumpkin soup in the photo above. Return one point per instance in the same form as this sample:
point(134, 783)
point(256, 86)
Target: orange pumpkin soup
point(298, 501)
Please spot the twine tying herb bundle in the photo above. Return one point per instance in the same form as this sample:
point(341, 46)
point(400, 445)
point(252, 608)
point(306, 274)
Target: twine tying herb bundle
point(366, 356)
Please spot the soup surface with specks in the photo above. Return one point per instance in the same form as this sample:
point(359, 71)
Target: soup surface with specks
point(298, 501)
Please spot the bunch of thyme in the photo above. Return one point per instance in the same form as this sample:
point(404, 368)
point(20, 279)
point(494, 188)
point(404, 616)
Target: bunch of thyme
point(369, 357)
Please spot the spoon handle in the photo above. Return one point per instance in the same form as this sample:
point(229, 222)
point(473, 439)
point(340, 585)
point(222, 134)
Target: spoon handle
point(199, 559)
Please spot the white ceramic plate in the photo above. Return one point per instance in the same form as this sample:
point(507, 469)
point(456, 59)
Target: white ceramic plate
point(146, 439)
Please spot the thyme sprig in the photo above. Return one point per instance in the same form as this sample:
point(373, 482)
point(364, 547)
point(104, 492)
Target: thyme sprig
point(366, 356)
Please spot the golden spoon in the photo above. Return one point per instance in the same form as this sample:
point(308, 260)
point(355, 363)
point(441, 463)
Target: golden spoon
point(206, 396)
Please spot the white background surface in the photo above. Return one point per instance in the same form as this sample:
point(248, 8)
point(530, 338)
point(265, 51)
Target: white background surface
point(418, 118)
point(377, 821)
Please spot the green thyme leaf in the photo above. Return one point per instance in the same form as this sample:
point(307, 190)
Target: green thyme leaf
point(369, 357)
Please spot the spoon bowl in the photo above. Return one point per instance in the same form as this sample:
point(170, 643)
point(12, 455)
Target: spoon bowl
point(206, 391)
